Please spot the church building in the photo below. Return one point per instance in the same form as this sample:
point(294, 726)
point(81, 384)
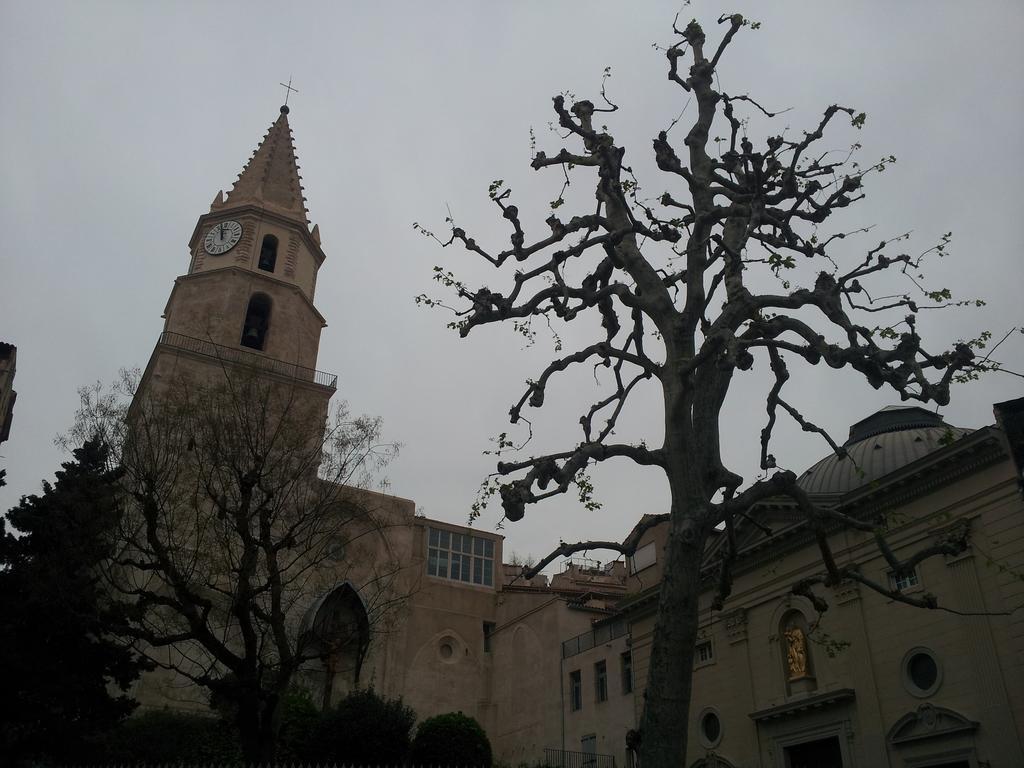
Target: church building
point(554, 668)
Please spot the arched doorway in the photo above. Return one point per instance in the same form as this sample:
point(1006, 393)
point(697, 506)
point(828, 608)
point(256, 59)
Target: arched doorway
point(337, 633)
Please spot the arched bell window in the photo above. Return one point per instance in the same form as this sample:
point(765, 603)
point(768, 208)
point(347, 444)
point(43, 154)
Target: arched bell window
point(257, 321)
point(268, 254)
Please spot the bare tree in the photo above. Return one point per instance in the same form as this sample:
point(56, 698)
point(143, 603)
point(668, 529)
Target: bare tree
point(677, 284)
point(239, 508)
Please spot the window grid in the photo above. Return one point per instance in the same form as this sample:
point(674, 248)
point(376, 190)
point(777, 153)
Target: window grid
point(903, 580)
point(704, 653)
point(460, 557)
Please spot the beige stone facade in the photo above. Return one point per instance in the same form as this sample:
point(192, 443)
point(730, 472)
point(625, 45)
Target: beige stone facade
point(559, 664)
point(875, 682)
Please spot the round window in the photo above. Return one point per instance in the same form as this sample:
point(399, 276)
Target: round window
point(446, 649)
point(710, 728)
point(921, 672)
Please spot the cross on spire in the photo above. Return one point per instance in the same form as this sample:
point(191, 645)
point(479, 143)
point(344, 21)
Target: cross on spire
point(289, 90)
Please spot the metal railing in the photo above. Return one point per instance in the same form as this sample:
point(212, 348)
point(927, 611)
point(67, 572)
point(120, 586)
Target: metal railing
point(602, 634)
point(563, 758)
point(241, 357)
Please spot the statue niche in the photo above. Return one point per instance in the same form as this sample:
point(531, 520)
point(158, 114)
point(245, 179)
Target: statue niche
point(796, 654)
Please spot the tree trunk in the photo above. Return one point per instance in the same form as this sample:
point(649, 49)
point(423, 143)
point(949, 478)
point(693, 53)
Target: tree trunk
point(665, 723)
point(257, 732)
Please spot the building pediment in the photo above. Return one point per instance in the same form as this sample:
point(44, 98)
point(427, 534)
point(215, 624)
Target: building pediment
point(929, 722)
point(798, 706)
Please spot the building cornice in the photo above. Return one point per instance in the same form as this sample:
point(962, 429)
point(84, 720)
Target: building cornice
point(938, 469)
point(798, 706)
point(248, 273)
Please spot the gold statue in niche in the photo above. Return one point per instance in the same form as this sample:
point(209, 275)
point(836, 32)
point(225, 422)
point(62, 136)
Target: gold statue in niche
point(796, 653)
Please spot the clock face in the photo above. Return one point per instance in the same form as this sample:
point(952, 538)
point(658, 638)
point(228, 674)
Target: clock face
point(222, 237)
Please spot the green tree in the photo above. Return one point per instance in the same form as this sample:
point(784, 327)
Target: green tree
point(58, 658)
point(363, 729)
point(239, 506)
point(452, 739)
point(675, 292)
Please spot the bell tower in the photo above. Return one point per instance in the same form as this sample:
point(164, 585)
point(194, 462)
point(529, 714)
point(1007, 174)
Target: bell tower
point(247, 298)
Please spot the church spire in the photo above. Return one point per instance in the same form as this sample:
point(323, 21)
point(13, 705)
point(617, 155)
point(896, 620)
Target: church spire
point(271, 177)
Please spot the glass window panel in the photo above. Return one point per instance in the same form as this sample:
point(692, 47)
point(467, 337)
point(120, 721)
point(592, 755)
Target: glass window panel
point(456, 565)
point(433, 537)
point(575, 690)
point(644, 557)
point(432, 562)
point(601, 681)
point(466, 575)
point(456, 542)
point(488, 572)
point(442, 563)
point(467, 543)
point(478, 546)
point(478, 570)
point(445, 539)
point(489, 548)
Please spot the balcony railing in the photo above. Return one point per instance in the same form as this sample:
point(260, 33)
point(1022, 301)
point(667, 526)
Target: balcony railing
point(563, 758)
point(241, 357)
point(603, 634)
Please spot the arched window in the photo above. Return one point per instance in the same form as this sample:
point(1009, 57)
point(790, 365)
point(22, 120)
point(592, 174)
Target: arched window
point(336, 630)
point(268, 253)
point(257, 321)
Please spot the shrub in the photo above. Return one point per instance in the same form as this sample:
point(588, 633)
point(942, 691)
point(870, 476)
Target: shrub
point(363, 729)
point(165, 736)
point(299, 720)
point(454, 740)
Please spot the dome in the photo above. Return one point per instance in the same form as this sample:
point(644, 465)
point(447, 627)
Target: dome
point(882, 443)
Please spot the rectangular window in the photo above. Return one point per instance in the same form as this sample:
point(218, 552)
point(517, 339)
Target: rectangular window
point(626, 660)
point(903, 580)
point(601, 681)
point(588, 746)
point(705, 652)
point(644, 557)
point(575, 691)
point(471, 558)
point(488, 631)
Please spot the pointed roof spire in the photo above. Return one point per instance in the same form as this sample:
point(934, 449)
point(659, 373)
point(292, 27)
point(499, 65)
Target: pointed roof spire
point(271, 177)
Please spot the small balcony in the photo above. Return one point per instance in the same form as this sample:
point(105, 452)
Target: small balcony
point(250, 359)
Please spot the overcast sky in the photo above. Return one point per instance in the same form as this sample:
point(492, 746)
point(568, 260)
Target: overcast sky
point(122, 120)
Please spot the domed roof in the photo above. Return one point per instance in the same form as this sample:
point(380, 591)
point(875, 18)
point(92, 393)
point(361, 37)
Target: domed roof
point(882, 443)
